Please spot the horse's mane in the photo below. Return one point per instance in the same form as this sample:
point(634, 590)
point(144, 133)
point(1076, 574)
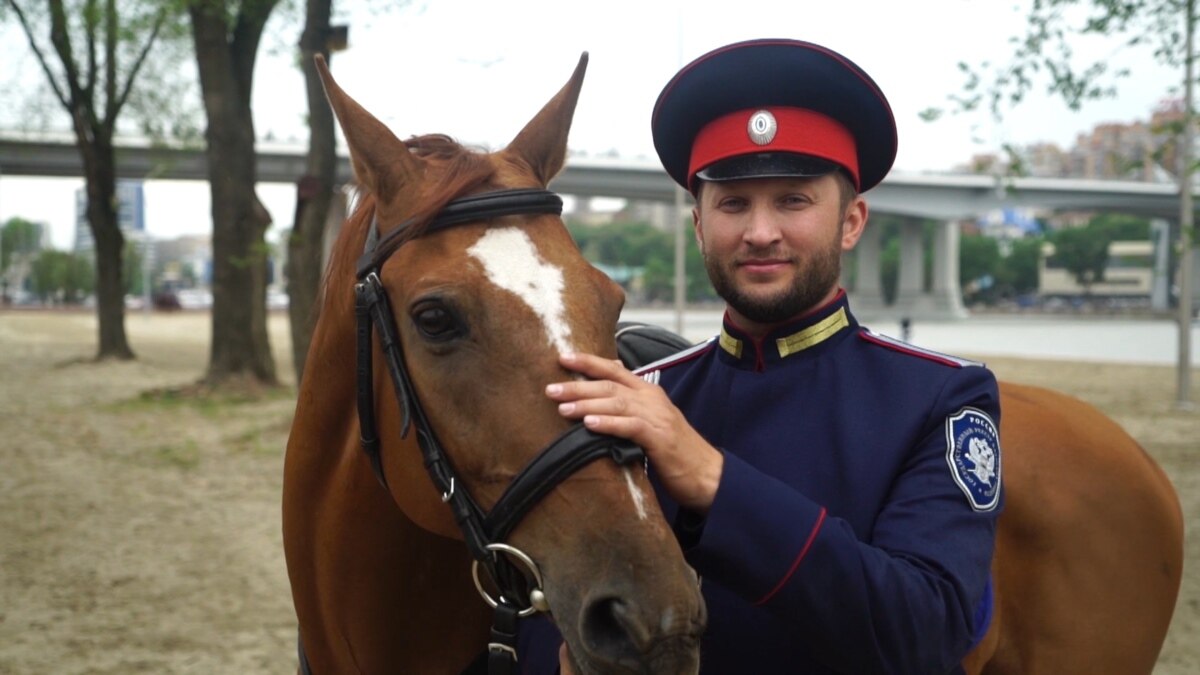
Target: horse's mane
point(459, 171)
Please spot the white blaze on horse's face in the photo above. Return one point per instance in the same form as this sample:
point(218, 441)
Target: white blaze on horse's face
point(511, 261)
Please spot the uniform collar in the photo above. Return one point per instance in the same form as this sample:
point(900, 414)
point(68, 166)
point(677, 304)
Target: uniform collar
point(800, 336)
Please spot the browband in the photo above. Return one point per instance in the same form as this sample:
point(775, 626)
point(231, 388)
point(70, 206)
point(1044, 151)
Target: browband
point(463, 210)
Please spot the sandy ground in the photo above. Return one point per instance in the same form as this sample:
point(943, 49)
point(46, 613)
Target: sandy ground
point(140, 534)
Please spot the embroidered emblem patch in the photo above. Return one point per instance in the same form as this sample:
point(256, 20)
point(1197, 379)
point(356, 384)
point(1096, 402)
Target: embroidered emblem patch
point(973, 452)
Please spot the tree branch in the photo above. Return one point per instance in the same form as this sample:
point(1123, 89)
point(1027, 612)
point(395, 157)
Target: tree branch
point(60, 37)
point(37, 52)
point(110, 64)
point(247, 33)
point(159, 22)
point(89, 25)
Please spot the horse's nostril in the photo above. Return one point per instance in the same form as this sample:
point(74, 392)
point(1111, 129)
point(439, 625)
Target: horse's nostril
point(611, 633)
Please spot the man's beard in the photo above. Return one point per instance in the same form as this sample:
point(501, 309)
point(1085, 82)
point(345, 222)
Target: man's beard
point(814, 277)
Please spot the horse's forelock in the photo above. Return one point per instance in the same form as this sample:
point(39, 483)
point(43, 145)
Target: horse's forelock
point(460, 171)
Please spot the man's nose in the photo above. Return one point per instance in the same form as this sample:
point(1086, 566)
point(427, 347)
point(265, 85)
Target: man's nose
point(762, 228)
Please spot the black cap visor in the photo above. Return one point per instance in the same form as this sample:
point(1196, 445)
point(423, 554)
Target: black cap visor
point(767, 165)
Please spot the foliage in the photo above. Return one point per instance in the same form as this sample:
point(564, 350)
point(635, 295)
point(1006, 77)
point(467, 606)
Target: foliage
point(1121, 227)
point(62, 277)
point(1082, 251)
point(132, 275)
point(18, 237)
point(641, 245)
point(1017, 273)
point(979, 259)
point(101, 60)
point(1045, 52)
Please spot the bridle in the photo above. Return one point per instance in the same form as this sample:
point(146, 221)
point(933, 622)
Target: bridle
point(484, 533)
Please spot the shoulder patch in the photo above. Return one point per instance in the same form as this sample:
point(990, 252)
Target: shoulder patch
point(973, 453)
point(650, 371)
point(913, 350)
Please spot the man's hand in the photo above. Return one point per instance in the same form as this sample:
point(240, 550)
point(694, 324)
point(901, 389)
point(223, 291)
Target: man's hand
point(564, 661)
point(617, 402)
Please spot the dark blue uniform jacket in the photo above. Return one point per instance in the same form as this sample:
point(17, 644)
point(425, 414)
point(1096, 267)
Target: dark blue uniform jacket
point(853, 528)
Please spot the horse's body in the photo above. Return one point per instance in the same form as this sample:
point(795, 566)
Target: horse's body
point(1089, 549)
point(381, 578)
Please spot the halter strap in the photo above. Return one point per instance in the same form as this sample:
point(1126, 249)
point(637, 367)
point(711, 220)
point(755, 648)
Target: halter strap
point(568, 453)
point(523, 201)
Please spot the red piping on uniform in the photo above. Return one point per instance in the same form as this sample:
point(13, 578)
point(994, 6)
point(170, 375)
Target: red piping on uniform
point(795, 563)
point(911, 352)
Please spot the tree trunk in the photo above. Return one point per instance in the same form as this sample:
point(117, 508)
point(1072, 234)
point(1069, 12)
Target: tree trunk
point(225, 57)
point(314, 191)
point(99, 164)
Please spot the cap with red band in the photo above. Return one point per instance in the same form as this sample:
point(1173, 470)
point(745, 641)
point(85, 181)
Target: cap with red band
point(773, 107)
point(774, 129)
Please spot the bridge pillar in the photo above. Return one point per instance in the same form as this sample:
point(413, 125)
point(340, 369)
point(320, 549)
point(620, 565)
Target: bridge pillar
point(911, 299)
point(946, 294)
point(944, 301)
point(867, 296)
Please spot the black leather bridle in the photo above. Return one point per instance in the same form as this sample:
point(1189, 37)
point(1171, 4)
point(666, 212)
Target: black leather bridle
point(484, 533)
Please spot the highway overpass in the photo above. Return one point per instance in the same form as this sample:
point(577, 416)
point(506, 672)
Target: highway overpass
point(944, 197)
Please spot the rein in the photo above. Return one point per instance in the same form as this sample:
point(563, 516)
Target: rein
point(484, 533)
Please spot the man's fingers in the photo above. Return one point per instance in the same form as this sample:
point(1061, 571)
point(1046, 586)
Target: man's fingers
point(621, 427)
point(598, 368)
point(573, 391)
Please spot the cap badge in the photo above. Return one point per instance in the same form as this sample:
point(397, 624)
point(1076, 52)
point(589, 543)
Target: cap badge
point(762, 127)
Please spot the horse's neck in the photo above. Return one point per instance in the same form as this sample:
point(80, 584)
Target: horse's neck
point(373, 590)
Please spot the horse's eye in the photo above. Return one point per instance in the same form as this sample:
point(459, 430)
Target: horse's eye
point(436, 323)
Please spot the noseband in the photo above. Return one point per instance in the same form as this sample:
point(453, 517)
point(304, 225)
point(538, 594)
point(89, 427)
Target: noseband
point(484, 533)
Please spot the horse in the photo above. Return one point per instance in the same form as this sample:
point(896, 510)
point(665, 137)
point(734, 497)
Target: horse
point(1089, 548)
point(458, 260)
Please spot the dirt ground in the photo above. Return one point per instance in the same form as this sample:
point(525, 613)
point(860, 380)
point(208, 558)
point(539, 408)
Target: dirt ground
point(140, 534)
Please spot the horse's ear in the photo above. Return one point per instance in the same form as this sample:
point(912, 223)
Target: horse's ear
point(381, 161)
point(543, 142)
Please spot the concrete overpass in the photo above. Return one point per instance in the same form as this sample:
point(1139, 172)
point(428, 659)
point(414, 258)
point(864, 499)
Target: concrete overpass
point(948, 198)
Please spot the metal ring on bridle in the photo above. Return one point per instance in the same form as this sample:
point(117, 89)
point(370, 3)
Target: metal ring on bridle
point(537, 600)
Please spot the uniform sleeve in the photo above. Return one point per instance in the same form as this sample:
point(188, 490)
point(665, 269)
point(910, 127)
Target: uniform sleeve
point(902, 601)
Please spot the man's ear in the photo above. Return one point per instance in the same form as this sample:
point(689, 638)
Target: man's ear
point(854, 221)
point(696, 228)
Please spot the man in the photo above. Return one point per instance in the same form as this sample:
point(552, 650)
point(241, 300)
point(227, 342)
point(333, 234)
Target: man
point(836, 490)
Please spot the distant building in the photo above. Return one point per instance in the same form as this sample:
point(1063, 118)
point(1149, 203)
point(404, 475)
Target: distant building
point(1137, 150)
point(186, 262)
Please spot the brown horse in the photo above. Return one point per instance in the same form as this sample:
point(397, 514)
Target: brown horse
point(475, 287)
point(1089, 549)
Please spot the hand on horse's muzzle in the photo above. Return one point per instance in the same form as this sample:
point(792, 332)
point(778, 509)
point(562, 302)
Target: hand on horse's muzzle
point(617, 402)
